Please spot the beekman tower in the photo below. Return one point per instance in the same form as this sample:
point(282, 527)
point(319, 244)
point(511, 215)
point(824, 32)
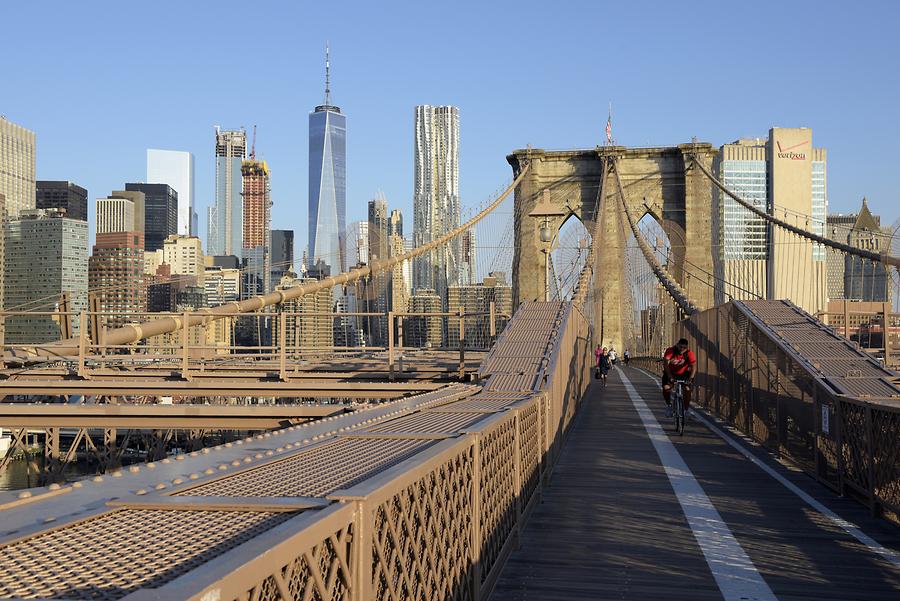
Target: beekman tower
point(327, 182)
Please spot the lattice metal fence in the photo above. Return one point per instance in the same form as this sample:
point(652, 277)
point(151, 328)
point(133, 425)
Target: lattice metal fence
point(426, 505)
point(772, 371)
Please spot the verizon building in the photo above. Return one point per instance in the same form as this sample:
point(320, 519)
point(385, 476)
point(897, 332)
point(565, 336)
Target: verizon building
point(785, 176)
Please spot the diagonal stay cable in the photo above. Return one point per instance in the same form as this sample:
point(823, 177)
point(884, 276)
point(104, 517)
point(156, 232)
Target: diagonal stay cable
point(884, 257)
point(677, 293)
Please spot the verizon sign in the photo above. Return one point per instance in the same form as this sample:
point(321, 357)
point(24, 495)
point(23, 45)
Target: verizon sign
point(790, 153)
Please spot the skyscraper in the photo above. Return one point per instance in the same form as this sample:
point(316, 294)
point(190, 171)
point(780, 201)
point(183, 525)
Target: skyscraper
point(160, 212)
point(64, 195)
point(786, 177)
point(17, 190)
point(378, 228)
point(436, 195)
point(115, 215)
point(379, 250)
point(116, 276)
point(59, 245)
point(17, 160)
point(257, 228)
point(225, 227)
point(850, 277)
point(358, 243)
point(327, 182)
point(176, 168)
point(139, 201)
point(282, 254)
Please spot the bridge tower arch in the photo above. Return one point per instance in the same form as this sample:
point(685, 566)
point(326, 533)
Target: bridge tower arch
point(660, 181)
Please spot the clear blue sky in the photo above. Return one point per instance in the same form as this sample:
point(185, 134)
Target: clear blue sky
point(100, 82)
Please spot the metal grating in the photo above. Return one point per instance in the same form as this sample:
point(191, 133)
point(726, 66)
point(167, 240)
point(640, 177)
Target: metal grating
point(513, 365)
point(480, 404)
point(427, 422)
point(866, 387)
point(848, 368)
point(511, 382)
point(519, 349)
point(108, 556)
point(316, 471)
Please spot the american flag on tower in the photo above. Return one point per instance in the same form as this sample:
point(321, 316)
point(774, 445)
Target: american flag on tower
point(609, 139)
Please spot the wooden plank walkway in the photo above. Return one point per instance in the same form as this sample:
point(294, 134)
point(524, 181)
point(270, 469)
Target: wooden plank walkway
point(610, 525)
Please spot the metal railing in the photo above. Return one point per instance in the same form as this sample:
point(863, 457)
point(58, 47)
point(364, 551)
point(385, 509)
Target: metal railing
point(800, 406)
point(437, 523)
point(280, 340)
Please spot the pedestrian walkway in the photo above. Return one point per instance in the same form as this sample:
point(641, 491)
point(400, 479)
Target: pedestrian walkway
point(633, 512)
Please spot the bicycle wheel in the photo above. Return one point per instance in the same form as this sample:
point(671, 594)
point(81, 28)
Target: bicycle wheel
point(678, 412)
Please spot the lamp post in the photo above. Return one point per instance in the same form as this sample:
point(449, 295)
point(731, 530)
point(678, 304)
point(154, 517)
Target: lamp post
point(545, 210)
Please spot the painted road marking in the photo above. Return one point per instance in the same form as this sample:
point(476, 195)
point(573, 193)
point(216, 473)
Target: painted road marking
point(734, 572)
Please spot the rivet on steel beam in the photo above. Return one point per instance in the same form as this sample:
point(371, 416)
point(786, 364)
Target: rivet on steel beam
point(180, 457)
point(248, 459)
point(206, 451)
point(49, 518)
point(228, 445)
point(223, 466)
point(194, 453)
point(194, 476)
point(24, 494)
point(209, 470)
point(236, 462)
point(117, 474)
point(54, 486)
point(77, 485)
point(166, 460)
point(134, 469)
point(141, 491)
point(248, 439)
point(160, 486)
point(279, 449)
point(259, 455)
point(269, 453)
point(97, 479)
point(177, 480)
point(238, 442)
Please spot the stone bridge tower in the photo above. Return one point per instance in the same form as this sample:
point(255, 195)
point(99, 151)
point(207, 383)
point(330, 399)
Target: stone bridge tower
point(656, 181)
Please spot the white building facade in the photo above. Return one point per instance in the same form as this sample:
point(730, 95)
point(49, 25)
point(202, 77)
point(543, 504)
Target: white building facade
point(176, 168)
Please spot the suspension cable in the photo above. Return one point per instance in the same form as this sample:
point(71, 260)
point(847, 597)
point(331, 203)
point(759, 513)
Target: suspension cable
point(883, 257)
point(133, 333)
point(677, 293)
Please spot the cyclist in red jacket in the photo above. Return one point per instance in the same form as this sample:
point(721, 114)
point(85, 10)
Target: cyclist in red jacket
point(680, 363)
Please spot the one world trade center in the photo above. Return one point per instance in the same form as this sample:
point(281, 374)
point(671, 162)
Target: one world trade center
point(327, 183)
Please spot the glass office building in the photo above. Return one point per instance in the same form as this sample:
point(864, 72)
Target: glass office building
point(327, 183)
point(226, 218)
point(744, 234)
point(176, 168)
point(327, 187)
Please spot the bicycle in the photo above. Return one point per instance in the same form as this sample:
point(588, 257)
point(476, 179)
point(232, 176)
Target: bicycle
point(678, 406)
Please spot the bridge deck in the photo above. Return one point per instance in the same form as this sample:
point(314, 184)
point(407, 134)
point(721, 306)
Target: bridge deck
point(610, 525)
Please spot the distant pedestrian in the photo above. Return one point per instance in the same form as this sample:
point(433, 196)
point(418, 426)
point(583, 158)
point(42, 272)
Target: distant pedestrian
point(604, 364)
point(626, 356)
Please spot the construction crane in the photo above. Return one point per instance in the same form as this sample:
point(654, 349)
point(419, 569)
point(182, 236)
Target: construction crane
point(253, 145)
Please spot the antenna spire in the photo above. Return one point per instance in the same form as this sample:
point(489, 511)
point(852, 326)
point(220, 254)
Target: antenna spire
point(327, 75)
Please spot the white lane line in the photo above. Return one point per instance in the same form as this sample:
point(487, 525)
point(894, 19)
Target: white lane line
point(849, 527)
point(734, 572)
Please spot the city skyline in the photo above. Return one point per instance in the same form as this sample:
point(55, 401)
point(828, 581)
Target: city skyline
point(380, 150)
